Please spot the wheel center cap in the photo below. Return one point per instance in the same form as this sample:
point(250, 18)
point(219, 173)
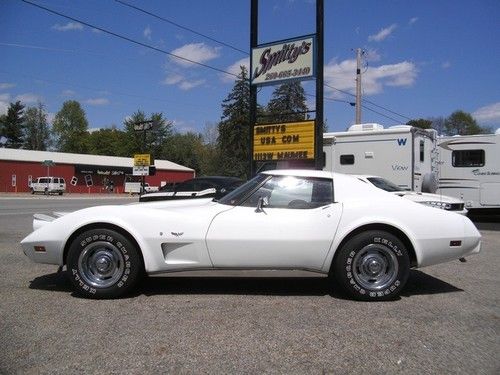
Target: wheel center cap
point(103, 264)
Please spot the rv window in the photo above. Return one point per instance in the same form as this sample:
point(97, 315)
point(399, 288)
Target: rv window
point(422, 151)
point(467, 158)
point(346, 159)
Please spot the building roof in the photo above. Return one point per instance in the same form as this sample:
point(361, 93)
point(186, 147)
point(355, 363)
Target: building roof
point(66, 158)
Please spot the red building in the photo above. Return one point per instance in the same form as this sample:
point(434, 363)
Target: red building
point(83, 173)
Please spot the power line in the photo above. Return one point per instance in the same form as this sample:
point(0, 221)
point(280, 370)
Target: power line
point(372, 103)
point(128, 39)
point(242, 51)
point(184, 58)
point(180, 26)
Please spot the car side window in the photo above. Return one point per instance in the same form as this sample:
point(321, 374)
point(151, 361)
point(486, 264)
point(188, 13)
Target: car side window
point(292, 192)
point(202, 185)
point(186, 186)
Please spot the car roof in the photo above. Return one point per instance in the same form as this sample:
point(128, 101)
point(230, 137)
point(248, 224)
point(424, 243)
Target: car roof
point(301, 173)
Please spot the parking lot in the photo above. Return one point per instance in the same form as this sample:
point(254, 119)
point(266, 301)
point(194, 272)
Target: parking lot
point(446, 322)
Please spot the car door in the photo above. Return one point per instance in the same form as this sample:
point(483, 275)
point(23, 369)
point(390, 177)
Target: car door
point(289, 222)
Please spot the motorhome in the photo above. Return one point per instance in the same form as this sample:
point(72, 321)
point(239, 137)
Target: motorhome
point(469, 169)
point(401, 154)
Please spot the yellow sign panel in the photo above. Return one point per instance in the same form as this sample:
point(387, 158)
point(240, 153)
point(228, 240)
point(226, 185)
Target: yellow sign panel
point(287, 141)
point(142, 160)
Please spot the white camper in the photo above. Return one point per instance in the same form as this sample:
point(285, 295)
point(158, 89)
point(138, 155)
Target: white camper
point(469, 169)
point(401, 154)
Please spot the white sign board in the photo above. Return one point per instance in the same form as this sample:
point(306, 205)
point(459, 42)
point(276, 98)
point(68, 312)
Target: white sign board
point(140, 170)
point(290, 59)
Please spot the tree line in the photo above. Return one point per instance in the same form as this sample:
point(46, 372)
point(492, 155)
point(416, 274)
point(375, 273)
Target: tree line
point(222, 148)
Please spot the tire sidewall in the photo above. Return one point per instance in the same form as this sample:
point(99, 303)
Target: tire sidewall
point(343, 271)
point(132, 263)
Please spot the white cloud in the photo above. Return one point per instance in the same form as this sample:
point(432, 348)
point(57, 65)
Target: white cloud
point(489, 114)
point(179, 80)
point(28, 98)
point(383, 34)
point(188, 85)
point(147, 33)
point(235, 69)
point(446, 65)
point(173, 79)
point(198, 52)
point(97, 101)
point(6, 85)
point(70, 26)
point(412, 21)
point(68, 93)
point(342, 75)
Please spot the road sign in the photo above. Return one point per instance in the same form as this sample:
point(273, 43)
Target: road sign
point(48, 163)
point(142, 160)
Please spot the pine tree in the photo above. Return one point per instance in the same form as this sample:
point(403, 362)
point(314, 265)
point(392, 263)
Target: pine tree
point(234, 127)
point(288, 103)
point(12, 125)
point(151, 141)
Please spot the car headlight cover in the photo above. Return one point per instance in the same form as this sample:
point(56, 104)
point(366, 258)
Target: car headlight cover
point(437, 204)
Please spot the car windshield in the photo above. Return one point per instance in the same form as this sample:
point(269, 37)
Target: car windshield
point(384, 184)
point(239, 194)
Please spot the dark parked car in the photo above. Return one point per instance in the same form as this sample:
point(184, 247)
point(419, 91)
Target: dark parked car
point(199, 187)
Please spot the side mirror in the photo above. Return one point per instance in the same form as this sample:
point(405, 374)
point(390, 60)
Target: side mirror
point(261, 203)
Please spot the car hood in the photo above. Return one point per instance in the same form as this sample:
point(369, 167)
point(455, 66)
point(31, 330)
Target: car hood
point(426, 197)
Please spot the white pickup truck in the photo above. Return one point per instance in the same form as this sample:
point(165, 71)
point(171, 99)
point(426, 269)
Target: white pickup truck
point(135, 188)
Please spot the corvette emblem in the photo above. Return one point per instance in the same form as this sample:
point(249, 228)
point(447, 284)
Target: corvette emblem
point(177, 234)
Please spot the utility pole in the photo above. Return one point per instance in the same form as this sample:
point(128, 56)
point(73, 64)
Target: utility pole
point(359, 53)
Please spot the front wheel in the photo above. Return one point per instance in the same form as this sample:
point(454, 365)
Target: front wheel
point(103, 263)
point(372, 266)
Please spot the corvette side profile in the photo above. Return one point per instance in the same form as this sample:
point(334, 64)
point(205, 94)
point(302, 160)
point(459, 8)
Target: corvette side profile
point(366, 239)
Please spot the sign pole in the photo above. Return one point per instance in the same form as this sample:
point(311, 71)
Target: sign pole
point(318, 157)
point(254, 40)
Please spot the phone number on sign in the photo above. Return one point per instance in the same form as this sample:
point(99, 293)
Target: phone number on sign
point(288, 73)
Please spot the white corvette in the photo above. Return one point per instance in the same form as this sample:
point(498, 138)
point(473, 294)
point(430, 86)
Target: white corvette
point(365, 238)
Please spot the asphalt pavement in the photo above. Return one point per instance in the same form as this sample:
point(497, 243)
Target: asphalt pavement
point(447, 320)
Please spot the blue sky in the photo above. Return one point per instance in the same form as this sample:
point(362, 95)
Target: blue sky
point(423, 58)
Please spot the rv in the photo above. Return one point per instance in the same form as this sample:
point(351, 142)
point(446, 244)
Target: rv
point(469, 169)
point(401, 154)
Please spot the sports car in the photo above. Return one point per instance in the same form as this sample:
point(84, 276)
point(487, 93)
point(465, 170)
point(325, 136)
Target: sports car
point(440, 201)
point(364, 238)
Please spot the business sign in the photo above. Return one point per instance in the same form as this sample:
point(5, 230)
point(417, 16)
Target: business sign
point(140, 170)
point(287, 141)
point(142, 160)
point(276, 62)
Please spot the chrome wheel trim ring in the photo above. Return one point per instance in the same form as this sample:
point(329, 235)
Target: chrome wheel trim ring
point(375, 267)
point(101, 264)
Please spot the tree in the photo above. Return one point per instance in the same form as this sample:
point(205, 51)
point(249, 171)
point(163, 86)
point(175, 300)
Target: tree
point(70, 128)
point(12, 125)
point(36, 129)
point(420, 123)
point(233, 140)
point(288, 103)
point(461, 123)
point(149, 141)
point(106, 142)
point(185, 149)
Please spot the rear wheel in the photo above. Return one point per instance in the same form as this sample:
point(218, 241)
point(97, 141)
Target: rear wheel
point(371, 266)
point(103, 263)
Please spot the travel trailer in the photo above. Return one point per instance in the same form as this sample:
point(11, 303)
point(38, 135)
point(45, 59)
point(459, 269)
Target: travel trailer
point(402, 154)
point(469, 169)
